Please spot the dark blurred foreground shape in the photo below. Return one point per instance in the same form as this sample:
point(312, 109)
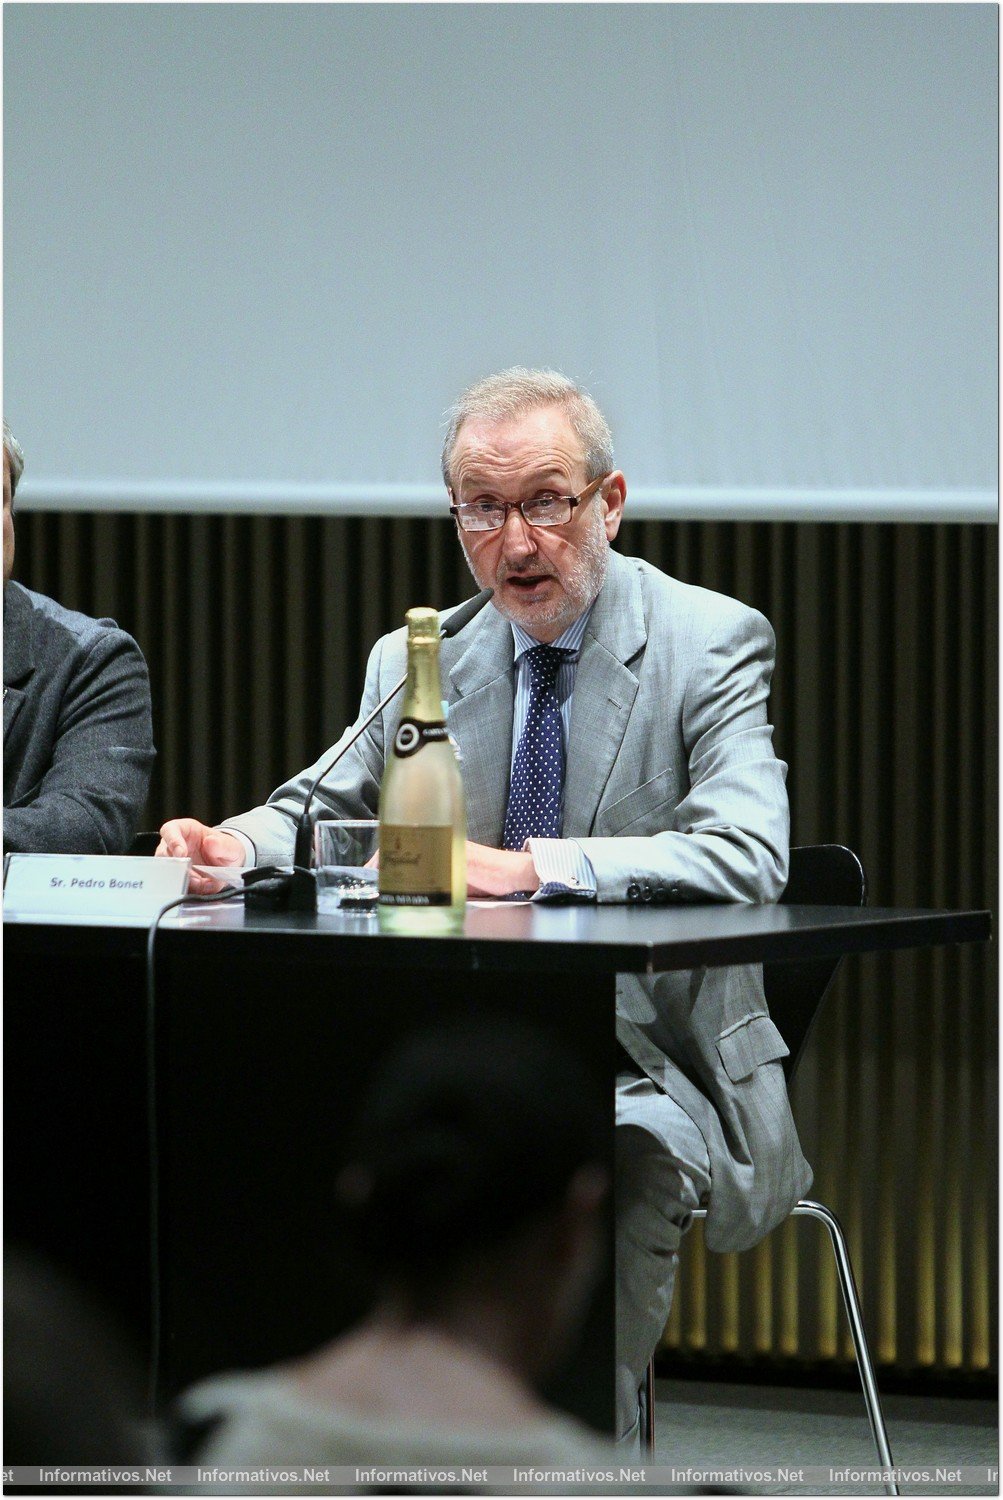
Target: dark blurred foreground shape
point(72, 1385)
point(472, 1187)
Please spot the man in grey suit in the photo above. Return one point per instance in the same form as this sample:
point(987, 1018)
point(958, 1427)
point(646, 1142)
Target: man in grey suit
point(77, 732)
point(671, 792)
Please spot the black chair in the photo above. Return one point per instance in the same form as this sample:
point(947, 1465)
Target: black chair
point(144, 843)
point(820, 875)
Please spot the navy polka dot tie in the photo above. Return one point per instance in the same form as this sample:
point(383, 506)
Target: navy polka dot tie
point(534, 799)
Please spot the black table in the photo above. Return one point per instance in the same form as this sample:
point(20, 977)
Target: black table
point(617, 939)
point(267, 1026)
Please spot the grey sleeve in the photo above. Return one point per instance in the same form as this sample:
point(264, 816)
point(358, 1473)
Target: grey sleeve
point(91, 797)
point(351, 791)
point(727, 839)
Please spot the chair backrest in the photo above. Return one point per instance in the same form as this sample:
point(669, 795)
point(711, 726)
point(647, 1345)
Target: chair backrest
point(820, 875)
point(144, 843)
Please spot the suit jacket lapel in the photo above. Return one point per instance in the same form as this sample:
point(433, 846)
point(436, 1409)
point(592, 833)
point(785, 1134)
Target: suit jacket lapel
point(605, 689)
point(481, 702)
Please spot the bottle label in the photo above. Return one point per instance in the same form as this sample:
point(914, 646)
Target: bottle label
point(416, 865)
point(413, 733)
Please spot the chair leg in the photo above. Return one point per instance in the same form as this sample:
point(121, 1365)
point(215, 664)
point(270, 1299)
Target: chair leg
point(851, 1302)
point(649, 1414)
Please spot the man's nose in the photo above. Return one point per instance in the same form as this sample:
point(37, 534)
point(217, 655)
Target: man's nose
point(517, 535)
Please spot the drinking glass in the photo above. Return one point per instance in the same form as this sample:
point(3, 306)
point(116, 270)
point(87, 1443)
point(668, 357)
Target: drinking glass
point(342, 849)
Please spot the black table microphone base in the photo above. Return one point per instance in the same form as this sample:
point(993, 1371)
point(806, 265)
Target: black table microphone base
point(269, 889)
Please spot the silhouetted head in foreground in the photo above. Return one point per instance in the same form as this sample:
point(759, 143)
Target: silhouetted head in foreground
point(474, 1186)
point(473, 1189)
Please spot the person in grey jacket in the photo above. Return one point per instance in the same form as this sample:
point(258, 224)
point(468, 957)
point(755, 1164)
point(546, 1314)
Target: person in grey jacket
point(77, 728)
point(670, 792)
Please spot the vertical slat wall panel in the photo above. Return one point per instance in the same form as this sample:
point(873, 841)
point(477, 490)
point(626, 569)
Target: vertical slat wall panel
point(164, 655)
point(202, 668)
point(231, 598)
point(911, 1177)
point(332, 625)
point(297, 588)
point(949, 1169)
point(257, 631)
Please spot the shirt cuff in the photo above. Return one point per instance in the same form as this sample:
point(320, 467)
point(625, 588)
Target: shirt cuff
point(563, 869)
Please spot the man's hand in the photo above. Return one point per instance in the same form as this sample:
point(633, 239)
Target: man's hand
point(185, 838)
point(499, 872)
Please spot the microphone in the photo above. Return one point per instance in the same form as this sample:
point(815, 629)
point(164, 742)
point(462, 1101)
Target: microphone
point(463, 614)
point(269, 887)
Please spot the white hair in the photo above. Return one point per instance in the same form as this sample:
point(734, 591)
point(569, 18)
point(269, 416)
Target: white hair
point(15, 457)
point(517, 390)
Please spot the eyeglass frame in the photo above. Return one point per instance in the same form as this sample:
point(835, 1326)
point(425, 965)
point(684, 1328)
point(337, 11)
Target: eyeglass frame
point(507, 505)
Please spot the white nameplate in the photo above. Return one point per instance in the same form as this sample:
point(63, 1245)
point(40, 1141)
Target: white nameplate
point(91, 885)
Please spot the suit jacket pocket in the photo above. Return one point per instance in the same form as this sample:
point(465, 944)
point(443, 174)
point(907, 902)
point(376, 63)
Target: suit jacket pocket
point(660, 794)
point(748, 1043)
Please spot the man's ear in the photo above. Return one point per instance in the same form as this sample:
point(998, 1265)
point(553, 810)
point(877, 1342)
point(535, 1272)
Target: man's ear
point(614, 493)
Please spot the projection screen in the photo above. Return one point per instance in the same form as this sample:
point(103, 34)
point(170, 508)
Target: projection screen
point(252, 252)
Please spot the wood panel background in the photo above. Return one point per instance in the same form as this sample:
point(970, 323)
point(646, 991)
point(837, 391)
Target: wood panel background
point(884, 701)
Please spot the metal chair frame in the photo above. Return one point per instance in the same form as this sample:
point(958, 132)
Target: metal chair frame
point(820, 875)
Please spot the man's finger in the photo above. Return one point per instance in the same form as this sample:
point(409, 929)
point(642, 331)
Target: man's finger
point(181, 837)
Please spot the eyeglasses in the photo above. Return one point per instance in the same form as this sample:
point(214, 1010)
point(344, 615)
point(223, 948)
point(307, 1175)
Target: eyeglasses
point(542, 510)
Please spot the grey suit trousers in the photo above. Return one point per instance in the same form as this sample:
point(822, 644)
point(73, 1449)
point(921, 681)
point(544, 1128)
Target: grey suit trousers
point(662, 1175)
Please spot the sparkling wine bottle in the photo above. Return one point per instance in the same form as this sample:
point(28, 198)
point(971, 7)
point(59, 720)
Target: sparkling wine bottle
point(423, 824)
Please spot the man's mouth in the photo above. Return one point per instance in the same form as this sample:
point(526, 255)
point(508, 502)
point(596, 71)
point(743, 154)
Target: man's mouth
point(527, 582)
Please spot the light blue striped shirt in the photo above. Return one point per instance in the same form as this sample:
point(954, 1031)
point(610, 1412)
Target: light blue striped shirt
point(560, 863)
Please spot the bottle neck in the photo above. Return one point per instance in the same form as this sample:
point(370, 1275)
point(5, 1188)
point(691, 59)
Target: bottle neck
point(423, 694)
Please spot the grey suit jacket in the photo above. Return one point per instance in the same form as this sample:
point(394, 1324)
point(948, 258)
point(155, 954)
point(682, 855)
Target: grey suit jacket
point(77, 735)
point(675, 794)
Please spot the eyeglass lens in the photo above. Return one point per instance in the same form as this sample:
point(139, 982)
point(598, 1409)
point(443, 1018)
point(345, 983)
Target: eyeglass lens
point(542, 510)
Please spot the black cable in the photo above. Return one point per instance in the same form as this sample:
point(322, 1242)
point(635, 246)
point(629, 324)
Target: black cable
point(151, 1130)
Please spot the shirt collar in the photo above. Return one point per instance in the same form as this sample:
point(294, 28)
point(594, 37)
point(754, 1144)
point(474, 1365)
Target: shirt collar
point(570, 641)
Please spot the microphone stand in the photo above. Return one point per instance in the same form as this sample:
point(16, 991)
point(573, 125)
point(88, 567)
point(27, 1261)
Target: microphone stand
point(273, 889)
